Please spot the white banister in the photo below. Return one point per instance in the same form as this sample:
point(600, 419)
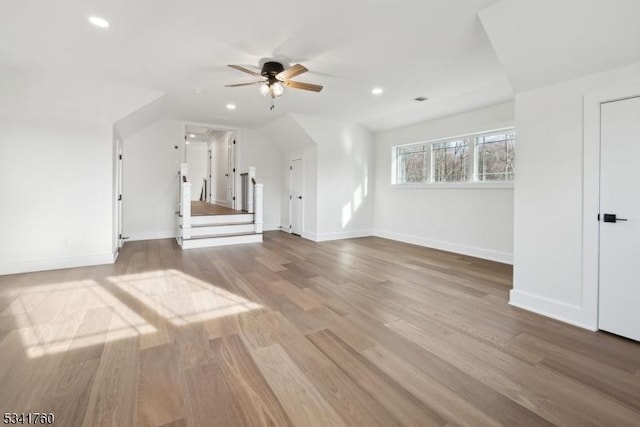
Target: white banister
point(252, 178)
point(257, 198)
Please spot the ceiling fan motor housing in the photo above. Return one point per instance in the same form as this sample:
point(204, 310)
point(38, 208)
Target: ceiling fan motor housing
point(271, 69)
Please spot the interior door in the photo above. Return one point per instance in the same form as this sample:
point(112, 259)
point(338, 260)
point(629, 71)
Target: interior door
point(619, 281)
point(231, 171)
point(296, 196)
point(209, 175)
point(119, 197)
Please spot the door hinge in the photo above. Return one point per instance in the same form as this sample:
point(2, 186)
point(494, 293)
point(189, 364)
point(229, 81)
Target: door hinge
point(234, 142)
point(119, 197)
point(290, 168)
point(234, 169)
point(598, 217)
point(290, 197)
point(119, 156)
point(290, 226)
point(234, 197)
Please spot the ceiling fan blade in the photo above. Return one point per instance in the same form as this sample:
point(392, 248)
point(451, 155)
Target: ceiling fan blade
point(244, 84)
point(291, 72)
point(303, 86)
point(245, 70)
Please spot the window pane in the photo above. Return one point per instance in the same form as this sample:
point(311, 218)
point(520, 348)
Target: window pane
point(495, 156)
point(411, 164)
point(450, 161)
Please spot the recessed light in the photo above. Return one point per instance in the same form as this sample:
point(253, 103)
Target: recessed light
point(377, 91)
point(231, 106)
point(192, 135)
point(186, 142)
point(420, 98)
point(99, 22)
point(199, 91)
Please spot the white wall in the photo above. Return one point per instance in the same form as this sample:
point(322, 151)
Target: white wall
point(150, 183)
point(257, 151)
point(473, 221)
point(197, 159)
point(56, 180)
point(549, 197)
point(285, 136)
point(345, 153)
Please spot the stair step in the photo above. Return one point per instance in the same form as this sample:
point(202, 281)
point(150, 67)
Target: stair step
point(219, 219)
point(214, 236)
point(222, 224)
point(220, 240)
point(222, 229)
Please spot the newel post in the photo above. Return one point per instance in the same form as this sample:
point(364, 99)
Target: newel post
point(258, 190)
point(185, 201)
point(252, 177)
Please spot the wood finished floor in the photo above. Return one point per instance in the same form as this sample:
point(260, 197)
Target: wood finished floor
point(203, 208)
point(289, 332)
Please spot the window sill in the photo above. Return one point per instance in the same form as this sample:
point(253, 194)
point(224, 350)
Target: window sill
point(458, 185)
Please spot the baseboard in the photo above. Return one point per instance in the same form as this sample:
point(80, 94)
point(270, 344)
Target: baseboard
point(153, 235)
point(55, 264)
point(503, 257)
point(270, 227)
point(568, 313)
point(323, 237)
point(309, 236)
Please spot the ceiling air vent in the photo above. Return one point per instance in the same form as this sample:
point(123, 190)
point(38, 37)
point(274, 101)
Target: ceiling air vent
point(420, 98)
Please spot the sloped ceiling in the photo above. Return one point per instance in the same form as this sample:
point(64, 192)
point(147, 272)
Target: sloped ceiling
point(411, 48)
point(540, 42)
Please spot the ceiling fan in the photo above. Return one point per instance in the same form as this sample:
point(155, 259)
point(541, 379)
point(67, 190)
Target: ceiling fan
point(275, 77)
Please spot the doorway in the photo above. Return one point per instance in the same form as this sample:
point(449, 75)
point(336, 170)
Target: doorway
point(619, 219)
point(296, 196)
point(210, 153)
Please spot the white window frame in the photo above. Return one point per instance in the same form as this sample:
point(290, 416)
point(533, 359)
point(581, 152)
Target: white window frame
point(472, 174)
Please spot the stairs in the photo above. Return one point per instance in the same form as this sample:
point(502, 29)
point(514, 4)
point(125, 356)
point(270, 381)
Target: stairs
point(218, 230)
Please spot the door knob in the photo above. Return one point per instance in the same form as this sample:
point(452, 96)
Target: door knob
point(612, 218)
point(300, 197)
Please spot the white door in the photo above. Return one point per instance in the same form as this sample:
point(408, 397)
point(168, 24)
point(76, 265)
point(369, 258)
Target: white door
point(619, 296)
point(296, 196)
point(119, 195)
point(231, 171)
point(209, 175)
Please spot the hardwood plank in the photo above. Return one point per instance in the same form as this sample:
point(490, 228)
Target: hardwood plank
point(255, 401)
point(112, 399)
point(209, 398)
point(159, 396)
point(303, 403)
point(403, 405)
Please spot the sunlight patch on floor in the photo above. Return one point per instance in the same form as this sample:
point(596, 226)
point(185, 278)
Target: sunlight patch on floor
point(180, 298)
point(65, 316)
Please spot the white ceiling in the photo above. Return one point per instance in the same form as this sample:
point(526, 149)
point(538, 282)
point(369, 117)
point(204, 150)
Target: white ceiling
point(432, 48)
point(540, 42)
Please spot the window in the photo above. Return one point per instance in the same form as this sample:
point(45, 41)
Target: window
point(480, 157)
point(450, 161)
point(412, 161)
point(495, 155)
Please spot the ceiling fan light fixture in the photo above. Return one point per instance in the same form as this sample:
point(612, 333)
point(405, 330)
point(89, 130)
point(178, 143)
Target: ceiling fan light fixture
point(264, 88)
point(277, 89)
